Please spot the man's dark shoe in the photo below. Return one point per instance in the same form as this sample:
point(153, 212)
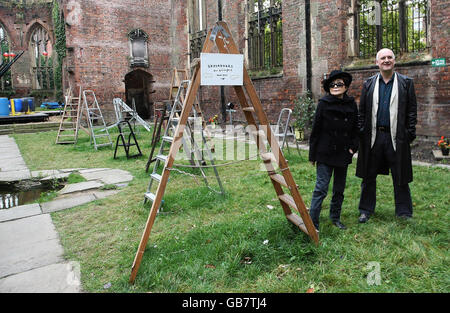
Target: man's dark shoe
point(363, 218)
point(339, 225)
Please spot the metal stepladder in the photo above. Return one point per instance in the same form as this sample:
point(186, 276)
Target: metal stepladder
point(193, 152)
point(126, 144)
point(69, 126)
point(122, 111)
point(283, 130)
point(273, 160)
point(97, 127)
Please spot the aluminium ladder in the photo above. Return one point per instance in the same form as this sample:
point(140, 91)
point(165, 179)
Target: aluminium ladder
point(98, 131)
point(192, 150)
point(283, 129)
point(69, 126)
point(121, 109)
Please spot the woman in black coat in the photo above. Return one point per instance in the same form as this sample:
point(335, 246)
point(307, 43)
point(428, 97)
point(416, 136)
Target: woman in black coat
point(333, 141)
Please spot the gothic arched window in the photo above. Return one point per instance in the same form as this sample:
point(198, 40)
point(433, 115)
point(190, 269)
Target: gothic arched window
point(5, 80)
point(41, 52)
point(138, 48)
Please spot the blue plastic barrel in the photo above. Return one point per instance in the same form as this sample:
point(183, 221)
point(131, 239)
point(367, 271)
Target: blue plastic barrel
point(18, 105)
point(4, 106)
point(24, 105)
point(31, 104)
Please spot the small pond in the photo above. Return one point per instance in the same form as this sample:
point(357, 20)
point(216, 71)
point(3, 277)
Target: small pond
point(24, 192)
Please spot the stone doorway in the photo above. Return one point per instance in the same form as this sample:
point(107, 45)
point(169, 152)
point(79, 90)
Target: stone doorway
point(138, 86)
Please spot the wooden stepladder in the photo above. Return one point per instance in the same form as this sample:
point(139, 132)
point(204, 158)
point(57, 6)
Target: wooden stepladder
point(69, 126)
point(220, 36)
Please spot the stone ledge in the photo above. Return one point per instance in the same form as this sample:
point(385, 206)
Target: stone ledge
point(439, 156)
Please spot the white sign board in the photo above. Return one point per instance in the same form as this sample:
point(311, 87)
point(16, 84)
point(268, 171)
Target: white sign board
point(218, 69)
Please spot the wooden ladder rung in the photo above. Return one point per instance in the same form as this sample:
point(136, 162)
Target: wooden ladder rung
point(268, 157)
point(248, 109)
point(288, 200)
point(297, 220)
point(279, 179)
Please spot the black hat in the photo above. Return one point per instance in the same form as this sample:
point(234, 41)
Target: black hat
point(337, 74)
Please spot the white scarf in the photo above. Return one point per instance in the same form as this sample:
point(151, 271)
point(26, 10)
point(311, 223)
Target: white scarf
point(393, 110)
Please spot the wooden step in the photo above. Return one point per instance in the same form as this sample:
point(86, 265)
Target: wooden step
point(297, 220)
point(248, 109)
point(288, 200)
point(279, 179)
point(268, 157)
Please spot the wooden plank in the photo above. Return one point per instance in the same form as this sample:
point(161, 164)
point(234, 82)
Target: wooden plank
point(297, 220)
point(279, 179)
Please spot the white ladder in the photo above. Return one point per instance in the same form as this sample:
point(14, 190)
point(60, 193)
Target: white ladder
point(99, 133)
point(193, 152)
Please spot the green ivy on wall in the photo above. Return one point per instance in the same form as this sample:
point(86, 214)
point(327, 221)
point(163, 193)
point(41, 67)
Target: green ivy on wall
point(60, 46)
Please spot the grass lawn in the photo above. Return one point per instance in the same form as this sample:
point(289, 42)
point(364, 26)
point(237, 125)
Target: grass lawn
point(204, 242)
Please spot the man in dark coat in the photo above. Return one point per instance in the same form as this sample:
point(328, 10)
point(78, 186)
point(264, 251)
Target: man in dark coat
point(387, 125)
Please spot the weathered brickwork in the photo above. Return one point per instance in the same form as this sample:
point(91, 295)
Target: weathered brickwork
point(98, 52)
point(97, 35)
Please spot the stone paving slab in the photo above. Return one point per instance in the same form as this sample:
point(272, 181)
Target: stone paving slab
point(11, 176)
point(77, 187)
point(27, 244)
point(44, 173)
point(20, 212)
point(90, 170)
point(13, 167)
point(54, 278)
point(64, 170)
point(66, 203)
point(110, 176)
point(9, 155)
point(56, 176)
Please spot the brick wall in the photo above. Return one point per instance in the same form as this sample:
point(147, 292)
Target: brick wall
point(98, 51)
point(98, 36)
point(331, 35)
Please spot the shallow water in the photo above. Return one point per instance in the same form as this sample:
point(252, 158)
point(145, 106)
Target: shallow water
point(12, 196)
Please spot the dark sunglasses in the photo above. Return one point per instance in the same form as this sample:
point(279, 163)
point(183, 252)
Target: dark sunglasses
point(332, 85)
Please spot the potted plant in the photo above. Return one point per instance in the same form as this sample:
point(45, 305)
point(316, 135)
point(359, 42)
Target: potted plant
point(443, 143)
point(303, 113)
